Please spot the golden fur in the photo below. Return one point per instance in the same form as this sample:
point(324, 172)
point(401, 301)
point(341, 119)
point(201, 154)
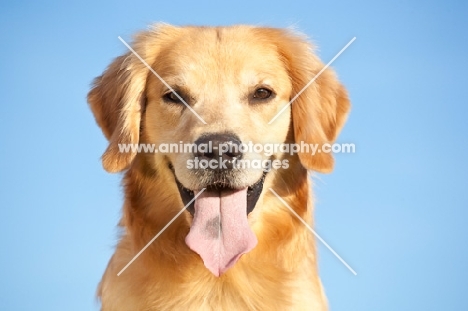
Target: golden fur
point(218, 67)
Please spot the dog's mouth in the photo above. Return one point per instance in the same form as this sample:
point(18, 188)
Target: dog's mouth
point(220, 232)
point(253, 193)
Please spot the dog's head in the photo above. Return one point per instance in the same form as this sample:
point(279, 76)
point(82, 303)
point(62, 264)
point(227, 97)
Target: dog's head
point(213, 93)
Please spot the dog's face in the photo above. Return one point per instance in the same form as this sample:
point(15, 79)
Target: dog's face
point(235, 83)
point(229, 84)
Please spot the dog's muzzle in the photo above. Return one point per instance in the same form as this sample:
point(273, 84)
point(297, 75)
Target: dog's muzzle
point(220, 232)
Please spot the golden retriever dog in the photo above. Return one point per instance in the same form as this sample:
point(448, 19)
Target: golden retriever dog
point(235, 244)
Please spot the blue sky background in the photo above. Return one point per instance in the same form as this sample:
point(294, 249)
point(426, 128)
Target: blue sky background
point(396, 210)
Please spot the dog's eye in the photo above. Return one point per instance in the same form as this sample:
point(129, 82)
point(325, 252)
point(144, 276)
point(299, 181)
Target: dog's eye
point(262, 93)
point(172, 98)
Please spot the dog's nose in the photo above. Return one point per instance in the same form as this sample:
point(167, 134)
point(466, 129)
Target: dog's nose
point(224, 149)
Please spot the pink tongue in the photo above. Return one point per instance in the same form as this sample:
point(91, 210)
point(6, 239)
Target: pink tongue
point(220, 233)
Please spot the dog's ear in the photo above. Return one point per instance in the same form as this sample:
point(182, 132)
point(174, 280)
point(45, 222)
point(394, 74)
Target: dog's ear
point(320, 111)
point(117, 97)
point(318, 115)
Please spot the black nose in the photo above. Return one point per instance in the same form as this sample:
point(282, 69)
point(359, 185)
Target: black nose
point(222, 148)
